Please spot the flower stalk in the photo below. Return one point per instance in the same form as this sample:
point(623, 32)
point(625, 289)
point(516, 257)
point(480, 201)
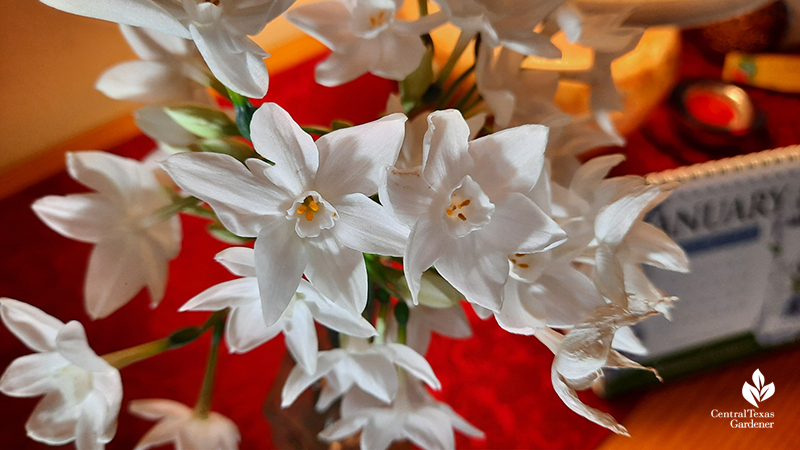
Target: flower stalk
point(203, 406)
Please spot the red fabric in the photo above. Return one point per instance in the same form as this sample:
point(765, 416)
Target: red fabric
point(498, 381)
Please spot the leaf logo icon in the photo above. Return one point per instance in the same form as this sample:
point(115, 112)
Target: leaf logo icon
point(758, 393)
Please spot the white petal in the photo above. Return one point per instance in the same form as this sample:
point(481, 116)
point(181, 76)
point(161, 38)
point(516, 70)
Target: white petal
point(53, 420)
point(591, 173)
point(415, 364)
point(512, 317)
point(375, 375)
point(298, 380)
point(232, 59)
point(35, 328)
point(615, 220)
point(138, 13)
point(323, 20)
point(510, 160)
point(459, 423)
point(366, 226)
point(430, 429)
point(72, 345)
point(445, 150)
point(151, 82)
point(426, 244)
point(281, 258)
point(251, 17)
point(626, 341)
point(475, 271)
point(277, 137)
point(649, 245)
point(162, 433)
point(399, 55)
point(338, 272)
point(91, 424)
point(240, 198)
point(301, 337)
point(333, 315)
point(570, 398)
point(567, 295)
point(154, 261)
point(519, 226)
point(340, 68)
point(158, 408)
point(83, 217)
point(233, 293)
point(114, 276)
point(381, 431)
point(342, 428)
point(246, 330)
point(405, 194)
point(610, 276)
point(31, 375)
point(120, 179)
point(238, 260)
point(353, 159)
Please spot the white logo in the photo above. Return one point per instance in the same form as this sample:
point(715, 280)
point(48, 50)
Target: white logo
point(759, 393)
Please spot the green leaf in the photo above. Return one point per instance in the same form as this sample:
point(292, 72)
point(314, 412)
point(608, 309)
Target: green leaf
point(201, 121)
point(414, 86)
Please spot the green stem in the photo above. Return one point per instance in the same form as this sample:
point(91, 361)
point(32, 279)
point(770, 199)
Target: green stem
point(220, 88)
point(463, 101)
point(461, 45)
point(423, 7)
point(453, 86)
point(203, 406)
point(401, 335)
point(178, 338)
point(471, 105)
point(380, 323)
point(125, 357)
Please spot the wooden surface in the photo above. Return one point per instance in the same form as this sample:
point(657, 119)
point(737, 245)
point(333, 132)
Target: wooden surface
point(678, 415)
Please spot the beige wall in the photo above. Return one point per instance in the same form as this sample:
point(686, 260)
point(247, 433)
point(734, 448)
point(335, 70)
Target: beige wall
point(48, 65)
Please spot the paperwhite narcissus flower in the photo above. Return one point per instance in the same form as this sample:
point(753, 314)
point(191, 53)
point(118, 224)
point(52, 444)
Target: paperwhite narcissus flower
point(170, 70)
point(516, 95)
point(467, 206)
point(584, 352)
point(245, 328)
point(219, 29)
point(414, 416)
point(180, 425)
point(364, 37)
point(411, 153)
point(509, 23)
point(82, 392)
point(134, 242)
point(371, 367)
point(310, 212)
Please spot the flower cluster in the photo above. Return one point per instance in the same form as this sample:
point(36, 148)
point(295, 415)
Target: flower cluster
point(378, 233)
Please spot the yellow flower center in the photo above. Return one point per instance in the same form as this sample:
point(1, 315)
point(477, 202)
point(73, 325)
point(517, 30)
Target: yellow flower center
point(308, 208)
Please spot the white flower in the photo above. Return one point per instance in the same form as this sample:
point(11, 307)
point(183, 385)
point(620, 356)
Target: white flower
point(370, 367)
point(413, 416)
point(604, 33)
point(82, 392)
point(584, 352)
point(509, 23)
point(180, 425)
point(516, 96)
point(364, 37)
point(134, 242)
point(467, 206)
point(218, 28)
point(411, 153)
point(245, 328)
point(170, 70)
point(310, 211)
point(439, 310)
